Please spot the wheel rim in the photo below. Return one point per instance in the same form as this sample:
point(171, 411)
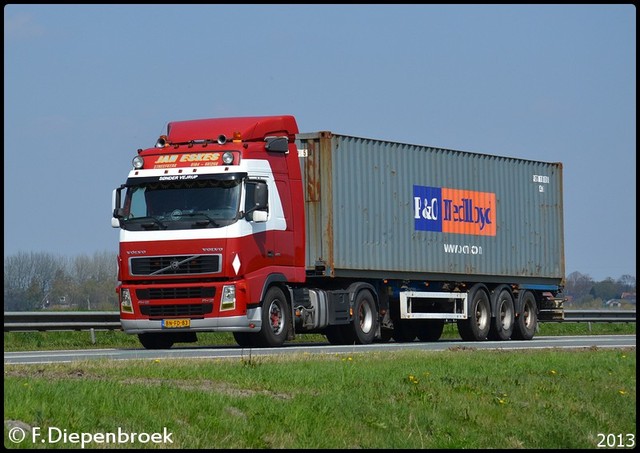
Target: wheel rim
point(482, 317)
point(506, 316)
point(527, 315)
point(365, 314)
point(275, 317)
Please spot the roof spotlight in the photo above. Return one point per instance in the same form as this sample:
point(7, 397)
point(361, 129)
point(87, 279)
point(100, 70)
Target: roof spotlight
point(162, 142)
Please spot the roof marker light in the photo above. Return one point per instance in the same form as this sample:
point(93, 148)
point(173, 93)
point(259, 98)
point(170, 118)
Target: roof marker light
point(138, 162)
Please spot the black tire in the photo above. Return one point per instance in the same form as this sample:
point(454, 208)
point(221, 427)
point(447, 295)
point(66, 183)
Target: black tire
point(527, 320)
point(276, 319)
point(156, 340)
point(430, 329)
point(503, 324)
point(476, 326)
point(405, 331)
point(365, 318)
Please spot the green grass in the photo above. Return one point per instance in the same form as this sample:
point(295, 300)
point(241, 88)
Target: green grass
point(459, 398)
point(31, 341)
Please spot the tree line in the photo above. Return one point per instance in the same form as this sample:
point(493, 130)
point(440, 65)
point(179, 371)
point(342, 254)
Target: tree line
point(40, 281)
point(36, 281)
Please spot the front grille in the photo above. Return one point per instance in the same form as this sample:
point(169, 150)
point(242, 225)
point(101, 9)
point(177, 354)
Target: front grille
point(175, 265)
point(193, 292)
point(159, 311)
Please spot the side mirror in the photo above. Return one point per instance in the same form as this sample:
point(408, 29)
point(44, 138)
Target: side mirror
point(277, 144)
point(116, 210)
point(257, 202)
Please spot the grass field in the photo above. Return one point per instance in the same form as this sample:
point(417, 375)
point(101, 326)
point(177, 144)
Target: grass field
point(460, 398)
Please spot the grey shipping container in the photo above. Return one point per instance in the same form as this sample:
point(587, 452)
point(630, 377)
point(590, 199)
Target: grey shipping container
point(381, 209)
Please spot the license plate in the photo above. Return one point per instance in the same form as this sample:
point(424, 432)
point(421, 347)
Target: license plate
point(175, 323)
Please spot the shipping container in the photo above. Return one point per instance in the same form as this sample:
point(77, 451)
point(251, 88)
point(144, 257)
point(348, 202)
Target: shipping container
point(393, 210)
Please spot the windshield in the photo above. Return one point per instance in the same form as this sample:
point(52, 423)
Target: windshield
point(203, 203)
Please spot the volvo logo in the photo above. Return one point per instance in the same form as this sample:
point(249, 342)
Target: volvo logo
point(175, 265)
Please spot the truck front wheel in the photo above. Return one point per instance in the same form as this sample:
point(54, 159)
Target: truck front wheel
point(275, 319)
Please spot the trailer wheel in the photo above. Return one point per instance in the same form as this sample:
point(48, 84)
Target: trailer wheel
point(156, 340)
point(527, 321)
point(275, 319)
point(476, 326)
point(365, 318)
point(503, 323)
point(430, 329)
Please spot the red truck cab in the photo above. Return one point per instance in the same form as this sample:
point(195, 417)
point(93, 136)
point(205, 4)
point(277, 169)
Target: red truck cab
point(207, 222)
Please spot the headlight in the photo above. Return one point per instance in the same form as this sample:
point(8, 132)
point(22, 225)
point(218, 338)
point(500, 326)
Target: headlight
point(126, 306)
point(228, 300)
point(227, 158)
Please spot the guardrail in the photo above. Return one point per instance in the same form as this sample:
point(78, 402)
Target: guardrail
point(598, 316)
point(33, 321)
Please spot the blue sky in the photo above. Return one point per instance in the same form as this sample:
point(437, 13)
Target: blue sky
point(86, 86)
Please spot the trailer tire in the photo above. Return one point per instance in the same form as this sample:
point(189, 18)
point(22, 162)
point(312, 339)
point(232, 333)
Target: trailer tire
point(527, 320)
point(152, 340)
point(275, 319)
point(365, 317)
point(503, 323)
point(476, 326)
point(430, 329)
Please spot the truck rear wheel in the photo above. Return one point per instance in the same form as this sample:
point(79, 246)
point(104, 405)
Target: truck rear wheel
point(504, 321)
point(527, 320)
point(476, 326)
point(365, 319)
point(275, 319)
point(156, 340)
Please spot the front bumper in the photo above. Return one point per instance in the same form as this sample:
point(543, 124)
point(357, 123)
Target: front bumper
point(252, 322)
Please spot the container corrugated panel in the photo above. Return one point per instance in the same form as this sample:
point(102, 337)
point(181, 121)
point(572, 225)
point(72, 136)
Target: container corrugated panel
point(384, 209)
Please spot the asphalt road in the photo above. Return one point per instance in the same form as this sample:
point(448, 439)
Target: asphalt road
point(214, 352)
